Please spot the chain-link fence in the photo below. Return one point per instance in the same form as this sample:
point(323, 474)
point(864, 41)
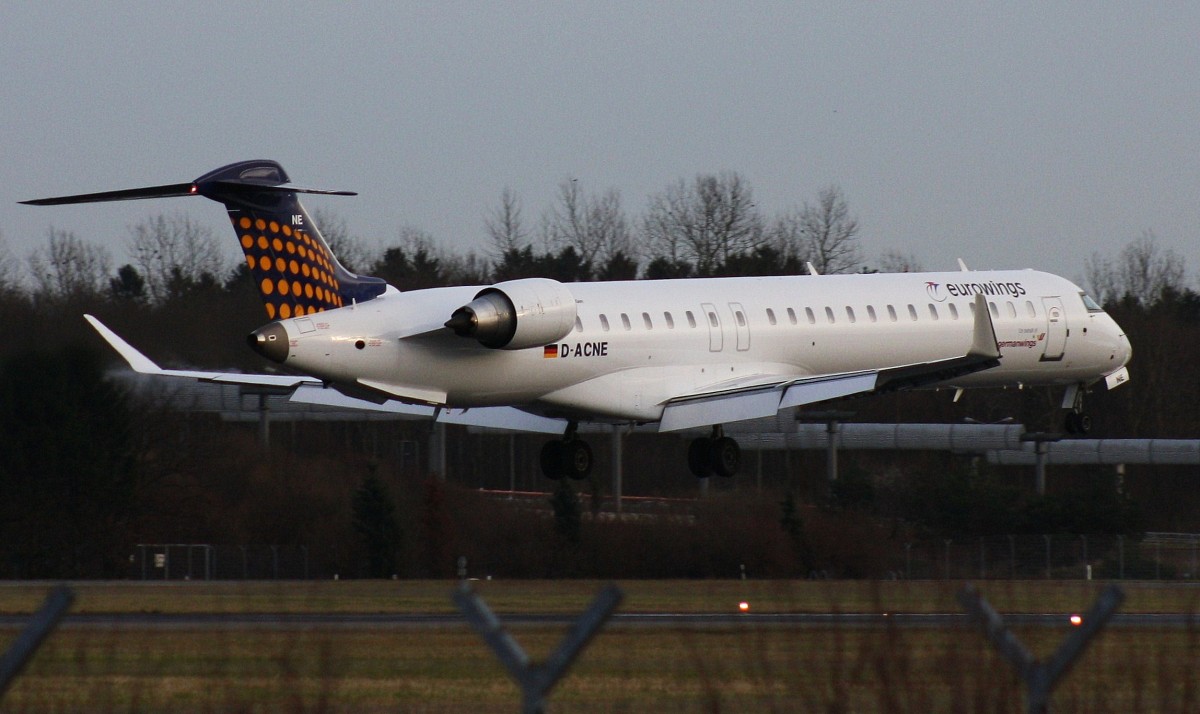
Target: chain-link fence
point(1152, 556)
point(202, 561)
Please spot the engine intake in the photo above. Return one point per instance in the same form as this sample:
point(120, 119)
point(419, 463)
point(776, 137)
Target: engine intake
point(517, 314)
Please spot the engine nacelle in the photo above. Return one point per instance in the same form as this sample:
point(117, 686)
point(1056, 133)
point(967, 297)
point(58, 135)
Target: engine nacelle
point(516, 314)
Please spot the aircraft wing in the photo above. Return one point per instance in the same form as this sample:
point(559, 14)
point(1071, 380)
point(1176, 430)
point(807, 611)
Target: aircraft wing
point(759, 399)
point(144, 365)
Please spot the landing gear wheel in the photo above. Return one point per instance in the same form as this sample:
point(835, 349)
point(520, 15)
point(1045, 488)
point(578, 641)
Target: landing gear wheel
point(699, 462)
point(577, 459)
point(571, 458)
point(725, 456)
point(1078, 423)
point(553, 458)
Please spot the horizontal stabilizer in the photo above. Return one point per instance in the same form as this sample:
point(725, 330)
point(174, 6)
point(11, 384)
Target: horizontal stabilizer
point(144, 365)
point(129, 194)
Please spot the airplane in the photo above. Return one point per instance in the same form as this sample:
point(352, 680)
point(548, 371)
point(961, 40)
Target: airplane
point(538, 355)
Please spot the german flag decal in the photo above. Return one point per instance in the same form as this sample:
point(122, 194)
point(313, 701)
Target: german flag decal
point(550, 351)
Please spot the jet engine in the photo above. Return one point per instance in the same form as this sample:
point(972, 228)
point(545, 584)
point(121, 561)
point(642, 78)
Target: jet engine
point(516, 314)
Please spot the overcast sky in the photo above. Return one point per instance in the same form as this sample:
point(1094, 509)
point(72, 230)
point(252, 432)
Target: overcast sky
point(1011, 134)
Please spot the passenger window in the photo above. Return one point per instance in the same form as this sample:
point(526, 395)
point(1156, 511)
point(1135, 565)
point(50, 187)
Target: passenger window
point(691, 318)
point(850, 314)
point(670, 320)
point(995, 310)
point(933, 313)
point(892, 313)
point(712, 319)
point(812, 318)
point(770, 316)
point(953, 311)
point(646, 321)
point(792, 315)
point(1030, 309)
point(871, 313)
point(912, 312)
point(829, 315)
point(741, 319)
point(578, 324)
point(625, 321)
point(1012, 310)
point(604, 322)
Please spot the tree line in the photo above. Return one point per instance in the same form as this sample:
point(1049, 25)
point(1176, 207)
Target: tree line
point(87, 471)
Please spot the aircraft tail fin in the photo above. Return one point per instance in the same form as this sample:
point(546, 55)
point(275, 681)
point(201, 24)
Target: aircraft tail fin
point(292, 265)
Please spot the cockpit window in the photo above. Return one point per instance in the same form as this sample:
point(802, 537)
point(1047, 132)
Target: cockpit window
point(1089, 303)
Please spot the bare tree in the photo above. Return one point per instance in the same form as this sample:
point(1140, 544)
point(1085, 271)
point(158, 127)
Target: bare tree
point(595, 226)
point(894, 261)
point(67, 268)
point(10, 280)
point(830, 232)
point(349, 250)
point(1144, 272)
point(503, 224)
point(172, 251)
point(706, 223)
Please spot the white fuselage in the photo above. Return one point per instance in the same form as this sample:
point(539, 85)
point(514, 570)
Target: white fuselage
point(637, 344)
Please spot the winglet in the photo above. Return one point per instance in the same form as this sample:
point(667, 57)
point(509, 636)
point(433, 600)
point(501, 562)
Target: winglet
point(983, 341)
point(138, 361)
point(811, 270)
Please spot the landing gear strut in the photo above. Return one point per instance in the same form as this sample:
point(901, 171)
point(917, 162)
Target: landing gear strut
point(569, 456)
point(717, 454)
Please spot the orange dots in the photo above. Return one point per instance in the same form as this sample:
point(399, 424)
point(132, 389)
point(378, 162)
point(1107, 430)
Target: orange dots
point(283, 287)
point(294, 267)
point(285, 311)
point(244, 223)
point(251, 261)
point(308, 291)
point(274, 227)
point(262, 242)
point(277, 245)
point(305, 269)
point(247, 241)
point(267, 286)
point(280, 264)
point(264, 263)
point(270, 311)
point(260, 224)
point(291, 248)
point(287, 230)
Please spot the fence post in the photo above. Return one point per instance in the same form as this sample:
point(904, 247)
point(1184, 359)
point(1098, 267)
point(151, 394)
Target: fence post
point(536, 680)
point(27, 643)
point(1040, 677)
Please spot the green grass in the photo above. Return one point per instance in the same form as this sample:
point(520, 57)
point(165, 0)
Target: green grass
point(745, 669)
point(566, 596)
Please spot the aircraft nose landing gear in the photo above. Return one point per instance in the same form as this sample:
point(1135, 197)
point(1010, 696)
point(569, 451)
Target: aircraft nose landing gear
point(569, 456)
point(1077, 421)
point(717, 454)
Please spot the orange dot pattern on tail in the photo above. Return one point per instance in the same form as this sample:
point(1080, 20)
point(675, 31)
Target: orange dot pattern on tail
point(293, 272)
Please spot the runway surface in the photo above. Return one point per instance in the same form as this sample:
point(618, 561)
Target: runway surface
point(154, 621)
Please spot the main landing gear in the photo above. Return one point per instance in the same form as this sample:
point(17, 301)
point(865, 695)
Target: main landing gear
point(569, 456)
point(717, 454)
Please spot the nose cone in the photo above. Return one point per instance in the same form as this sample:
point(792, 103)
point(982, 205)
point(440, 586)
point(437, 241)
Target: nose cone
point(1124, 349)
point(270, 341)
